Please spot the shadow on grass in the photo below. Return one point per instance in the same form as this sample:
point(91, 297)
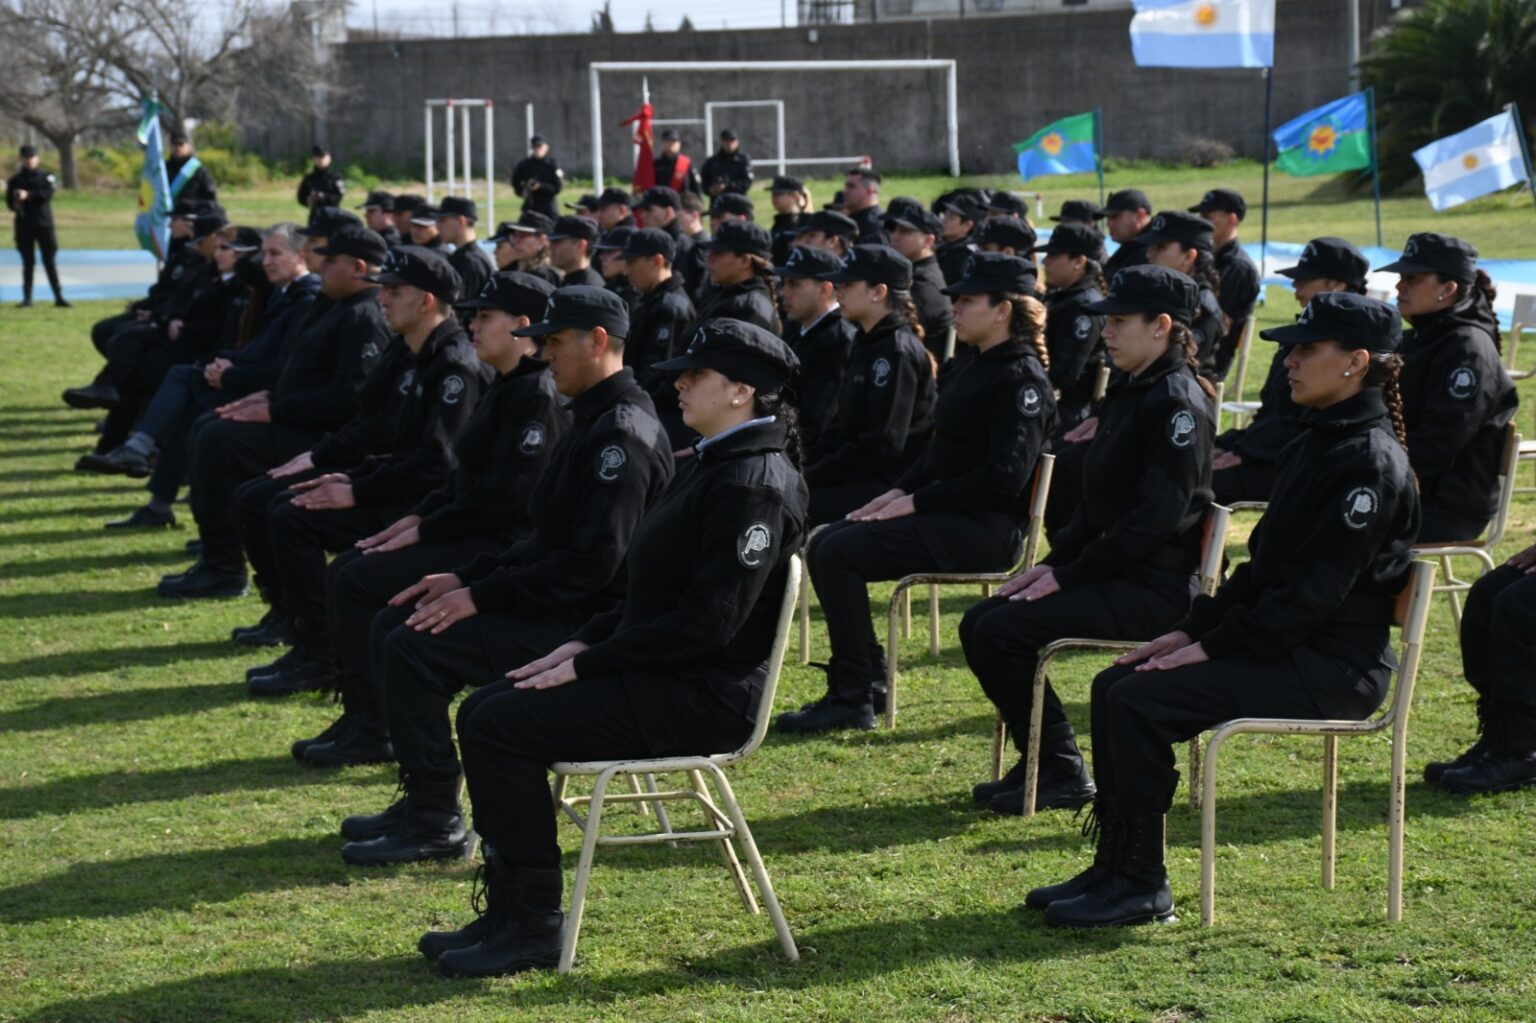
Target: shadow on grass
point(94, 563)
point(27, 475)
point(48, 451)
point(42, 537)
point(120, 706)
point(122, 486)
point(77, 603)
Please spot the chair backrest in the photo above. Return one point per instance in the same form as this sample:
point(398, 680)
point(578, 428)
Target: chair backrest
point(949, 344)
point(1101, 382)
point(1244, 350)
point(1411, 614)
point(1508, 463)
point(1039, 496)
point(1524, 320)
point(1213, 547)
point(764, 709)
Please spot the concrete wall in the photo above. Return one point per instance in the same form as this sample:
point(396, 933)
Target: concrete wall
point(1015, 74)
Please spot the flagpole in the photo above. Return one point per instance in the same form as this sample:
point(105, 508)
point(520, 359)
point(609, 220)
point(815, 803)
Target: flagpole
point(1269, 111)
point(1525, 152)
point(1370, 112)
point(1098, 148)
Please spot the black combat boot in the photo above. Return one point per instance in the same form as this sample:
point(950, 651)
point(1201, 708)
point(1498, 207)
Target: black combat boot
point(1102, 825)
point(332, 730)
point(524, 935)
point(364, 741)
point(491, 891)
point(1063, 784)
point(431, 827)
point(846, 705)
point(1471, 755)
point(314, 669)
point(361, 827)
point(274, 629)
point(1136, 892)
point(1508, 764)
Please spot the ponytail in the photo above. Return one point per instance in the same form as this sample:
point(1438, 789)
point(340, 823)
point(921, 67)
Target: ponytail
point(1026, 322)
point(1482, 290)
point(1204, 272)
point(783, 410)
point(1383, 372)
point(1181, 337)
point(900, 302)
point(1094, 271)
point(763, 270)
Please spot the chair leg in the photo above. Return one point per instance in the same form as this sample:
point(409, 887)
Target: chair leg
point(1446, 566)
point(727, 852)
point(1208, 835)
point(892, 655)
point(906, 614)
point(1032, 748)
point(933, 620)
point(1395, 814)
point(999, 741)
point(471, 846)
point(1330, 805)
point(986, 591)
point(755, 860)
point(662, 821)
point(805, 618)
point(584, 870)
point(634, 786)
point(1194, 773)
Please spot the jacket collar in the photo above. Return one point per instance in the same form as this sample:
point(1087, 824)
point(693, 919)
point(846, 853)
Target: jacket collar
point(753, 437)
point(444, 334)
point(592, 402)
point(1370, 404)
point(1169, 362)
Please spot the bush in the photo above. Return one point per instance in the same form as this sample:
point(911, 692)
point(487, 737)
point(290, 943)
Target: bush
point(1198, 151)
point(233, 168)
point(110, 167)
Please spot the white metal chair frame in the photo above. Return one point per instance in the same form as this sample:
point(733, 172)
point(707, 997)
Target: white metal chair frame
point(1524, 320)
point(1213, 546)
point(725, 815)
point(1239, 408)
point(1412, 614)
point(1509, 462)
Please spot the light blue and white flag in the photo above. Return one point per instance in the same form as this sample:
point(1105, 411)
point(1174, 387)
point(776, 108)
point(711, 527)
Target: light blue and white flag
point(1484, 158)
point(1204, 33)
point(153, 223)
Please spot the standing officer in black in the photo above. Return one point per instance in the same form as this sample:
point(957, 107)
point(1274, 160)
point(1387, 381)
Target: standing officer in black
point(677, 668)
point(1073, 334)
point(323, 185)
point(728, 169)
point(1301, 630)
point(538, 179)
point(188, 178)
point(818, 334)
point(29, 196)
point(962, 507)
point(464, 627)
point(1239, 275)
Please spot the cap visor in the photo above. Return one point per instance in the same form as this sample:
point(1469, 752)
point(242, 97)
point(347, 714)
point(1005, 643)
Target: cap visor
point(1296, 273)
point(1292, 334)
point(1112, 306)
point(543, 328)
point(679, 364)
point(476, 303)
point(1404, 266)
point(839, 277)
point(965, 287)
point(385, 277)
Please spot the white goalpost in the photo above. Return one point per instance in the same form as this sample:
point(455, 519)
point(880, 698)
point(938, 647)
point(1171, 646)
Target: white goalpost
point(461, 178)
point(594, 87)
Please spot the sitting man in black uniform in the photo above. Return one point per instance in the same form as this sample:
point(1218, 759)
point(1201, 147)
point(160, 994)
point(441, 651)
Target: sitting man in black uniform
point(1239, 274)
point(465, 627)
point(456, 218)
point(914, 230)
point(820, 337)
point(379, 217)
point(828, 230)
point(664, 310)
point(958, 220)
point(570, 250)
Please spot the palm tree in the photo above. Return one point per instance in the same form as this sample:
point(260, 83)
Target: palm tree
point(1444, 66)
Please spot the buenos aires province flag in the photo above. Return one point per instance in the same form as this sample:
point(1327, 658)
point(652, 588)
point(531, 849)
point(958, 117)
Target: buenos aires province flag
point(1061, 147)
point(1484, 158)
point(1204, 33)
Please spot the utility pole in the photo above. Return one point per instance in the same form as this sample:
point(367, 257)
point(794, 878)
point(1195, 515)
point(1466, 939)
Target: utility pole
point(1352, 20)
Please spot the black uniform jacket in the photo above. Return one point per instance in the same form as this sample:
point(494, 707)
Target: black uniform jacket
point(612, 464)
point(538, 181)
point(1457, 399)
point(824, 352)
point(332, 354)
point(190, 278)
point(954, 257)
point(1130, 253)
point(502, 451)
point(732, 170)
point(1239, 292)
point(989, 425)
point(1332, 550)
point(749, 301)
point(1073, 339)
point(258, 364)
point(785, 227)
point(419, 455)
point(656, 330)
point(1276, 424)
point(587, 275)
point(884, 411)
point(322, 186)
point(36, 210)
point(871, 221)
point(205, 328)
point(199, 184)
point(934, 310)
point(1146, 481)
point(1208, 331)
point(474, 265)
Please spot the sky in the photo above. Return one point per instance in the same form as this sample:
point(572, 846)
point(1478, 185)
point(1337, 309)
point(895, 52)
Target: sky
point(490, 17)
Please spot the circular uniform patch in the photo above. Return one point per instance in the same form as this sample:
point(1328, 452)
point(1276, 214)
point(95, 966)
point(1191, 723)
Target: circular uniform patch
point(1082, 328)
point(1462, 383)
point(407, 380)
point(753, 545)
point(612, 462)
point(370, 350)
point(1360, 507)
point(453, 389)
point(533, 438)
point(881, 371)
point(1030, 404)
point(1181, 428)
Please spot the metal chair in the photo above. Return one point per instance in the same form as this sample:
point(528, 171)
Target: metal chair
point(1524, 320)
point(1412, 614)
point(1239, 409)
point(1479, 549)
point(1212, 547)
point(901, 600)
point(725, 817)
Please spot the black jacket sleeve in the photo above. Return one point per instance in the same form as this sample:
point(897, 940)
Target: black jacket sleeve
point(1452, 410)
point(405, 475)
point(1016, 421)
point(328, 406)
point(883, 434)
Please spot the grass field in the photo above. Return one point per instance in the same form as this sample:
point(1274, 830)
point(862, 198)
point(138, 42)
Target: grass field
point(1502, 226)
point(163, 859)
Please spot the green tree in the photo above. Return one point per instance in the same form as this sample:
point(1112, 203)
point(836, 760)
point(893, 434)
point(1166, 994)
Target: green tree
point(1444, 66)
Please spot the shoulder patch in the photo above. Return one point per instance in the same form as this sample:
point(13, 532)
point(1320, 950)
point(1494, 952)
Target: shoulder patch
point(1360, 507)
point(1082, 327)
point(880, 372)
point(370, 350)
point(532, 438)
point(612, 463)
point(753, 545)
point(1181, 428)
point(453, 389)
point(407, 380)
point(1029, 400)
point(1462, 383)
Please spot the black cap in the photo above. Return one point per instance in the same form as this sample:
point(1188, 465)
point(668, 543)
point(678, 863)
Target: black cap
point(178, 137)
point(27, 152)
point(805, 261)
point(965, 205)
point(327, 220)
point(613, 197)
point(650, 241)
point(515, 292)
point(535, 140)
point(1074, 240)
point(1187, 229)
point(191, 209)
point(379, 201)
point(246, 239)
point(1436, 253)
point(739, 351)
point(905, 212)
point(991, 272)
point(586, 202)
point(421, 268)
point(727, 135)
point(836, 203)
point(831, 223)
point(409, 202)
point(1331, 258)
point(357, 242)
point(731, 202)
point(1149, 289)
point(575, 227)
point(1127, 199)
point(1007, 232)
point(319, 150)
point(670, 135)
point(874, 264)
point(458, 206)
point(660, 195)
point(209, 222)
point(785, 183)
point(615, 239)
point(581, 307)
point(1352, 321)
point(742, 237)
point(1224, 199)
point(1079, 210)
point(529, 222)
point(1007, 202)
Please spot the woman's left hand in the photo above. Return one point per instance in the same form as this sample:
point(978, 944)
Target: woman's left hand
point(559, 675)
point(1184, 655)
point(1043, 586)
point(893, 509)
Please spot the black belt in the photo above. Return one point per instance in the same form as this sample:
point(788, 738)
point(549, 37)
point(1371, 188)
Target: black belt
point(1169, 556)
point(1359, 609)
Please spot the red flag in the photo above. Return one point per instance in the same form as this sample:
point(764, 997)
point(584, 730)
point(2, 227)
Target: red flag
point(645, 161)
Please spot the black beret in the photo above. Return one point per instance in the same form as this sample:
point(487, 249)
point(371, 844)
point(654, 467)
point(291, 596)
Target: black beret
point(1331, 258)
point(874, 264)
point(1352, 321)
point(991, 272)
point(1149, 289)
point(650, 241)
point(575, 227)
point(581, 307)
point(515, 292)
point(805, 261)
point(1436, 253)
point(357, 242)
point(739, 351)
point(740, 236)
point(422, 268)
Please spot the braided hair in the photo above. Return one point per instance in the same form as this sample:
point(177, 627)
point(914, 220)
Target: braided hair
point(1204, 272)
point(1383, 372)
point(1181, 337)
point(779, 405)
point(1483, 293)
point(1026, 322)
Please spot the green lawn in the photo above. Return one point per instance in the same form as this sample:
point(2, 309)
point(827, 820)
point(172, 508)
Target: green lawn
point(165, 860)
point(1502, 226)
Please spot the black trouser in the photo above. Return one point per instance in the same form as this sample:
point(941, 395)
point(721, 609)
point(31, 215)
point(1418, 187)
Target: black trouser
point(1251, 481)
point(251, 501)
point(359, 586)
point(1139, 716)
point(1066, 485)
point(510, 736)
point(833, 501)
point(1001, 636)
point(1445, 527)
point(422, 673)
point(28, 235)
point(225, 455)
point(1498, 654)
point(103, 331)
point(847, 556)
point(143, 343)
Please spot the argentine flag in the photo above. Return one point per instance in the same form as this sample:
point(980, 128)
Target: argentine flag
point(1484, 158)
point(1204, 33)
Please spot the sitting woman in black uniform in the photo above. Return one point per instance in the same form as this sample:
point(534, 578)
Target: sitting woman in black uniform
point(1122, 568)
point(1073, 335)
point(1301, 630)
point(885, 409)
point(1247, 459)
point(1457, 398)
point(963, 507)
point(675, 669)
point(1183, 241)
